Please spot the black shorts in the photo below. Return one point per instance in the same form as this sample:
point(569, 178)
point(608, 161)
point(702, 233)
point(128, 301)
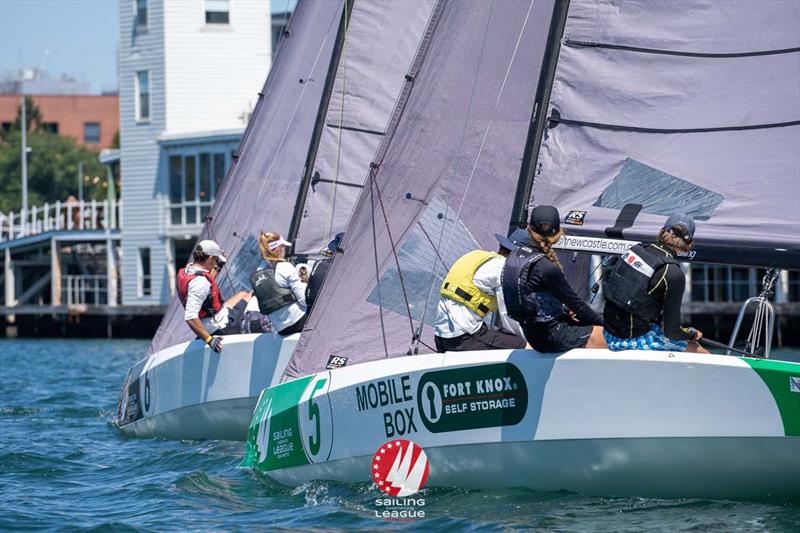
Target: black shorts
point(485, 338)
point(557, 336)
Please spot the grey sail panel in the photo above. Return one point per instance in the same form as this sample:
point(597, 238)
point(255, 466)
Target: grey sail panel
point(261, 187)
point(692, 107)
point(455, 143)
point(382, 38)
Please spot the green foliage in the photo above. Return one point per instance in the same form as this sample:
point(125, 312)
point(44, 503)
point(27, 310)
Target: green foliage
point(52, 166)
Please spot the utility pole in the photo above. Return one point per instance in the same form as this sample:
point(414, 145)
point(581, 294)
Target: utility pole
point(24, 129)
point(80, 182)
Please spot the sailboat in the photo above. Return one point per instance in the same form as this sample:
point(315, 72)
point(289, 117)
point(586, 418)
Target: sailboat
point(618, 112)
point(325, 106)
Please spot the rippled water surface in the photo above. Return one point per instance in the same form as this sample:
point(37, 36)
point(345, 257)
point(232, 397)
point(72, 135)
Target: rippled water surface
point(63, 466)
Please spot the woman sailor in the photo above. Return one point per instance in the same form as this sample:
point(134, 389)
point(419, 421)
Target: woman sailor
point(536, 292)
point(278, 288)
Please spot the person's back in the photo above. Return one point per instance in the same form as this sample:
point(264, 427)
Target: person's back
point(644, 290)
point(280, 293)
point(469, 292)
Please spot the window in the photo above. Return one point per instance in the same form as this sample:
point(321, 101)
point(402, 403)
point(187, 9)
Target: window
point(142, 102)
point(7, 126)
point(145, 278)
point(141, 13)
point(217, 12)
point(50, 127)
point(91, 132)
point(194, 180)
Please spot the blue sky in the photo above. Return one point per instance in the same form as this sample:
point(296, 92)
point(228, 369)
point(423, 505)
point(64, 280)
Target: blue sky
point(76, 37)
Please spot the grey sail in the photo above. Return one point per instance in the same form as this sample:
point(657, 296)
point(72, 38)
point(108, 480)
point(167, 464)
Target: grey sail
point(382, 38)
point(691, 105)
point(442, 182)
point(261, 186)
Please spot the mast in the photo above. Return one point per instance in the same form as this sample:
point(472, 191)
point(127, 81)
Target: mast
point(519, 213)
point(308, 168)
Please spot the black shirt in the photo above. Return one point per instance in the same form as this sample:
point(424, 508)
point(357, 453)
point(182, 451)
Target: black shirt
point(546, 276)
point(666, 286)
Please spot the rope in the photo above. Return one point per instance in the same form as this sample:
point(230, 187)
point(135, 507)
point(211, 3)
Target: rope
point(377, 270)
point(394, 248)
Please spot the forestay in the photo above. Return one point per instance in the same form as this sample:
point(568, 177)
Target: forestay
point(261, 186)
point(681, 105)
point(381, 41)
point(443, 181)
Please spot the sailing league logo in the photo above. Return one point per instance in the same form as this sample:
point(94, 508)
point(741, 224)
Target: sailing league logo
point(400, 468)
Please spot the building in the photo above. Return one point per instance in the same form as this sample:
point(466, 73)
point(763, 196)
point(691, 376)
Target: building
point(92, 120)
point(189, 76)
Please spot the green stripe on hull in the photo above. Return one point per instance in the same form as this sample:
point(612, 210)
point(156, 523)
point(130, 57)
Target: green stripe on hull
point(777, 375)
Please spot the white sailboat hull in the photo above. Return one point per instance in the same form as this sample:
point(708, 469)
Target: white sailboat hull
point(651, 424)
point(188, 391)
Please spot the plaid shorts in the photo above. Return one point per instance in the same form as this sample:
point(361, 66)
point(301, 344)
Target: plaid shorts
point(652, 340)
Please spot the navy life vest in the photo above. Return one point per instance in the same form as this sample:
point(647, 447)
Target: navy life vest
point(315, 281)
point(523, 303)
point(212, 304)
point(628, 283)
point(271, 296)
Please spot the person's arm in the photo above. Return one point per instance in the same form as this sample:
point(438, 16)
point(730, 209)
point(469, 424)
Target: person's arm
point(674, 285)
point(199, 290)
point(554, 279)
point(291, 279)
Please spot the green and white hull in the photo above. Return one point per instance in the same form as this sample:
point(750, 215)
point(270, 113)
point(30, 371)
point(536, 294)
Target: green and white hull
point(654, 424)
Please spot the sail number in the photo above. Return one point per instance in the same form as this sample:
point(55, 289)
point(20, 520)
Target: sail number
point(315, 417)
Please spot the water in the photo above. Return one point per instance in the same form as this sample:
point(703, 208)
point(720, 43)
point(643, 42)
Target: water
point(63, 466)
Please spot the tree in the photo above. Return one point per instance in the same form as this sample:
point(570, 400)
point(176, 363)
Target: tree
point(52, 166)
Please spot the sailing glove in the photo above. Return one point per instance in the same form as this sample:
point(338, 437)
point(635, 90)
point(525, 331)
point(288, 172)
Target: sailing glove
point(215, 343)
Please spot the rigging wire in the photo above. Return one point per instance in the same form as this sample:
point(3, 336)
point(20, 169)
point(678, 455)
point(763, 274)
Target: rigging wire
point(342, 57)
point(477, 157)
point(377, 269)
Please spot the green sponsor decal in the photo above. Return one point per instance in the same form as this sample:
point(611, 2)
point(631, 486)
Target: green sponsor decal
point(472, 397)
point(780, 376)
point(274, 440)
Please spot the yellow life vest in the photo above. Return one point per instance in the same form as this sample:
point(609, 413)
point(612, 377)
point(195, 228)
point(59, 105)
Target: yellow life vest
point(459, 287)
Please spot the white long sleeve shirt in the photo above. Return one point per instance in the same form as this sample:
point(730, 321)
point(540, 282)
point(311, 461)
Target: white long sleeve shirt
point(199, 290)
point(286, 277)
point(455, 319)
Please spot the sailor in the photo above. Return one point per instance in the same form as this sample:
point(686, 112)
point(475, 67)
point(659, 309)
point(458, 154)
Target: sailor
point(280, 292)
point(205, 312)
point(539, 297)
point(320, 270)
point(470, 291)
point(643, 291)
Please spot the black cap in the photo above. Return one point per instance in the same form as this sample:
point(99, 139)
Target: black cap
point(545, 220)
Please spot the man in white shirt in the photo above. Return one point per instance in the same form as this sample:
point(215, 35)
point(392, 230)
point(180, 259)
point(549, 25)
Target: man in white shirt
point(471, 290)
point(205, 312)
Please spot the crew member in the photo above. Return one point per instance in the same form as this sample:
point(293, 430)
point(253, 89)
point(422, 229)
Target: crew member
point(643, 291)
point(280, 292)
point(470, 291)
point(320, 270)
point(205, 312)
point(539, 297)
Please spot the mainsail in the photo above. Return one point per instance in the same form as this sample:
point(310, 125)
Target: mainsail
point(335, 79)
point(382, 38)
point(260, 187)
point(442, 182)
point(682, 105)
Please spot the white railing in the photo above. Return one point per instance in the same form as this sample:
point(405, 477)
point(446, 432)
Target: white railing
point(189, 213)
point(84, 289)
point(61, 216)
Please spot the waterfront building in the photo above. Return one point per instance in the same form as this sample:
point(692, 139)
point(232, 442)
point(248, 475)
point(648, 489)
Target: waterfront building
point(189, 76)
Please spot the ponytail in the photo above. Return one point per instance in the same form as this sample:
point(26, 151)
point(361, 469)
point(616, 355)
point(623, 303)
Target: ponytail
point(545, 245)
point(264, 239)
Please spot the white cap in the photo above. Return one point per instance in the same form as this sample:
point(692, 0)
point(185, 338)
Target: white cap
point(211, 248)
point(274, 245)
